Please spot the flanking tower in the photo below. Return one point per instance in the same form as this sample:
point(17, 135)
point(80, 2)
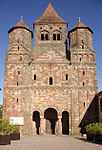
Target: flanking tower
point(83, 71)
point(17, 61)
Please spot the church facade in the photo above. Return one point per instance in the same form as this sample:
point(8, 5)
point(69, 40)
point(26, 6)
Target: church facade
point(49, 85)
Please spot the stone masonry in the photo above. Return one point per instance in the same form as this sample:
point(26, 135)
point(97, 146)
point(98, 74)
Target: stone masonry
point(50, 86)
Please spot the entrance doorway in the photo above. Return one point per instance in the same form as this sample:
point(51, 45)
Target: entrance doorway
point(65, 122)
point(36, 118)
point(51, 117)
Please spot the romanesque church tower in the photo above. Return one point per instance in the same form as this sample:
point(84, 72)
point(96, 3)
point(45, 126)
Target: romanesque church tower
point(50, 86)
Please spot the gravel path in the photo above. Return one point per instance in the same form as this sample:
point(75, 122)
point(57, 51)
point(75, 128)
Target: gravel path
point(50, 142)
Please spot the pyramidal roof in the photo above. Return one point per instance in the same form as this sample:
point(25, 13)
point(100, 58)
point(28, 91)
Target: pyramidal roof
point(79, 24)
point(50, 16)
point(20, 24)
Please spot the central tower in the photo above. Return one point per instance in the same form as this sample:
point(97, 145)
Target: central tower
point(50, 32)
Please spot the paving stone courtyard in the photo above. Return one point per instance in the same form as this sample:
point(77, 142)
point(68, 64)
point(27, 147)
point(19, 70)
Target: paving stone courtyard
point(50, 142)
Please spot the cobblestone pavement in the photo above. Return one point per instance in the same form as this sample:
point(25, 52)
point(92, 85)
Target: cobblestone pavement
point(51, 143)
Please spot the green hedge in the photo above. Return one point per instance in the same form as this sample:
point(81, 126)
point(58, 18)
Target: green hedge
point(6, 128)
point(94, 128)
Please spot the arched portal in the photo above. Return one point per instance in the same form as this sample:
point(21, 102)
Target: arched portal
point(65, 122)
point(36, 118)
point(51, 117)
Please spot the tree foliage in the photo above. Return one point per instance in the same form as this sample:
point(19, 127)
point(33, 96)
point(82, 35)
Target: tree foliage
point(94, 128)
point(6, 128)
point(0, 111)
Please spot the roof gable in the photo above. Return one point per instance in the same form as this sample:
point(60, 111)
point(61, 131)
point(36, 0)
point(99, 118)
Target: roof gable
point(50, 55)
point(50, 16)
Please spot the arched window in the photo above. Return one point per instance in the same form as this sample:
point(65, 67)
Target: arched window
point(54, 36)
point(58, 36)
point(34, 76)
point(66, 76)
point(17, 100)
point(46, 36)
point(83, 72)
point(82, 46)
point(50, 81)
point(83, 83)
point(84, 104)
point(20, 58)
point(18, 47)
point(42, 36)
point(18, 72)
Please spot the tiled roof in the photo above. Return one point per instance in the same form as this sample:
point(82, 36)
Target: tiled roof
point(50, 16)
point(20, 24)
point(79, 24)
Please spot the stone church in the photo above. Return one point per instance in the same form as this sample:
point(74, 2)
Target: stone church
point(50, 85)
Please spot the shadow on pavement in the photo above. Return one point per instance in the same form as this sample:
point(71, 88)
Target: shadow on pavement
point(85, 140)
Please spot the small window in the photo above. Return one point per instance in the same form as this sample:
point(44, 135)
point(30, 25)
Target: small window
point(58, 36)
point(17, 83)
point(66, 76)
point(60, 28)
point(18, 72)
point(50, 81)
point(83, 83)
point(50, 27)
point(80, 59)
point(20, 58)
point(82, 46)
point(46, 36)
point(83, 72)
point(54, 36)
point(84, 104)
point(18, 47)
point(17, 100)
point(40, 27)
point(42, 36)
point(34, 76)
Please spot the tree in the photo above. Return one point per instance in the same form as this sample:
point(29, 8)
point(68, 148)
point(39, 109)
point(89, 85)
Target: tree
point(0, 111)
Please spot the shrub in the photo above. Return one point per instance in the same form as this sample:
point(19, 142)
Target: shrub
point(94, 128)
point(4, 126)
point(14, 129)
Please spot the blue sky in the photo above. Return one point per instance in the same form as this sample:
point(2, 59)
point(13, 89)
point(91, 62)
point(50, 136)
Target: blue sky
point(90, 12)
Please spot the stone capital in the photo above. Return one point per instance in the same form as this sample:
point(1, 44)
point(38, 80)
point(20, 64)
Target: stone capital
point(41, 117)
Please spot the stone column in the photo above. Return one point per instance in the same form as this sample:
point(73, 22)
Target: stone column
point(56, 128)
point(34, 128)
point(59, 125)
point(42, 125)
